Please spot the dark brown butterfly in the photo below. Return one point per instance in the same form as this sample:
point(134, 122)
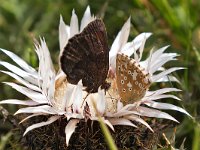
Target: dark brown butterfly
point(86, 57)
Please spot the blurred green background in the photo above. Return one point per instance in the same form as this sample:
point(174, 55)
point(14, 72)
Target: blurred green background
point(172, 22)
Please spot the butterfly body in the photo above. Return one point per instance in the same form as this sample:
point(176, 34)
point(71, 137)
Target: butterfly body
point(86, 57)
point(132, 82)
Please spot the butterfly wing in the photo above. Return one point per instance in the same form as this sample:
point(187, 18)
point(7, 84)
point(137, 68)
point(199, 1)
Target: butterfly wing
point(86, 57)
point(132, 82)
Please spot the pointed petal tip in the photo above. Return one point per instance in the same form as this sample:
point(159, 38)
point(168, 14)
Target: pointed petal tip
point(147, 34)
point(88, 8)
point(61, 18)
point(73, 11)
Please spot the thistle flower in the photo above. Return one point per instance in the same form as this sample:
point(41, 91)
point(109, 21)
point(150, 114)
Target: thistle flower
point(49, 92)
point(121, 109)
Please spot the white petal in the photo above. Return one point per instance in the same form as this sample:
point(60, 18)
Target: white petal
point(121, 39)
point(87, 18)
point(35, 96)
point(162, 91)
point(114, 49)
point(69, 96)
point(77, 98)
point(27, 76)
point(138, 56)
point(46, 70)
point(157, 97)
point(136, 118)
point(154, 57)
point(63, 35)
point(125, 33)
point(168, 78)
point(140, 38)
point(128, 107)
point(101, 101)
point(108, 123)
point(149, 112)
point(19, 102)
point(22, 81)
point(74, 25)
point(30, 116)
point(158, 53)
point(159, 105)
point(70, 128)
point(73, 115)
point(119, 42)
point(132, 46)
point(46, 109)
point(164, 73)
point(121, 121)
point(44, 123)
point(19, 61)
point(119, 105)
point(123, 113)
point(160, 62)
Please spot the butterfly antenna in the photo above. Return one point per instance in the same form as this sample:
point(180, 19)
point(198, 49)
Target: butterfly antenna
point(84, 99)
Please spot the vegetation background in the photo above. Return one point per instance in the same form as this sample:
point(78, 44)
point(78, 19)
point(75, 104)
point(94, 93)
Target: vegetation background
point(172, 22)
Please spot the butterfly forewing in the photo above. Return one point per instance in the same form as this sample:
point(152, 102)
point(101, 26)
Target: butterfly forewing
point(132, 82)
point(86, 57)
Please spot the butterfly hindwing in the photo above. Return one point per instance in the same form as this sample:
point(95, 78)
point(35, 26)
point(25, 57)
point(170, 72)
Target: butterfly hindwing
point(132, 82)
point(86, 57)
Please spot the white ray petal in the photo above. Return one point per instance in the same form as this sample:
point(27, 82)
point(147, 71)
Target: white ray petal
point(73, 115)
point(70, 128)
point(63, 35)
point(159, 63)
point(118, 43)
point(164, 73)
point(35, 96)
point(101, 101)
point(46, 70)
point(87, 18)
point(138, 56)
point(128, 107)
point(77, 98)
point(124, 113)
point(46, 109)
point(130, 47)
point(168, 78)
point(158, 53)
point(149, 112)
point(22, 81)
point(125, 33)
point(121, 121)
point(162, 91)
point(108, 123)
point(19, 61)
point(44, 123)
point(121, 39)
point(140, 120)
point(27, 76)
point(30, 116)
point(119, 105)
point(140, 38)
point(69, 96)
point(157, 97)
point(19, 102)
point(114, 48)
point(74, 24)
point(159, 105)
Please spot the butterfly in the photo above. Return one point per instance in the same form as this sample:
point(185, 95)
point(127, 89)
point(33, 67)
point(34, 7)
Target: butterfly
point(86, 57)
point(132, 81)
